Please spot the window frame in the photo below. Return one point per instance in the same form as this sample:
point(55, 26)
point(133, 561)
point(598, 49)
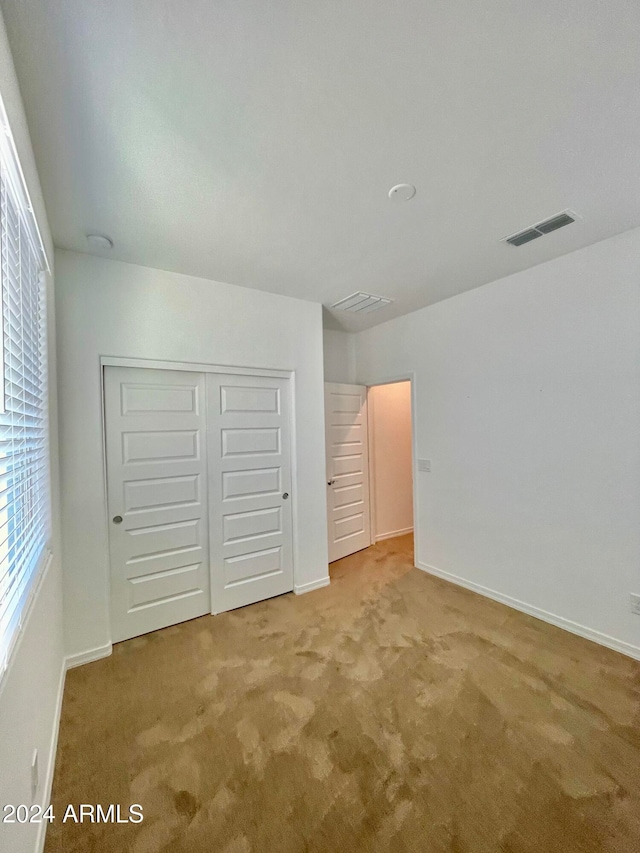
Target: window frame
point(12, 174)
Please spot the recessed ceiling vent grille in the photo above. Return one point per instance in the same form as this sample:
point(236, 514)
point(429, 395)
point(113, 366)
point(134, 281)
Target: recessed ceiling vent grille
point(361, 303)
point(542, 228)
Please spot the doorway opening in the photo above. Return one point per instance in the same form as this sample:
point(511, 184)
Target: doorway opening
point(370, 490)
point(390, 460)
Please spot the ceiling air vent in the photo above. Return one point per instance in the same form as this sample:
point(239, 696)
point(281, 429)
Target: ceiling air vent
point(555, 222)
point(361, 303)
point(524, 237)
point(542, 228)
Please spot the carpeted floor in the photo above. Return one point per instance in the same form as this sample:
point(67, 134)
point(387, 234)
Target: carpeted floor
point(390, 711)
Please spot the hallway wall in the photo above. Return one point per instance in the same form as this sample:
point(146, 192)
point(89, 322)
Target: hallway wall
point(339, 351)
point(390, 451)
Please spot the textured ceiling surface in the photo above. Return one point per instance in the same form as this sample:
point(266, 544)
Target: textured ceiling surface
point(255, 142)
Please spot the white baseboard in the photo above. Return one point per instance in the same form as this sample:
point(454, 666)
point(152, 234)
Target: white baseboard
point(89, 656)
point(51, 759)
point(300, 589)
point(559, 621)
point(394, 533)
point(68, 663)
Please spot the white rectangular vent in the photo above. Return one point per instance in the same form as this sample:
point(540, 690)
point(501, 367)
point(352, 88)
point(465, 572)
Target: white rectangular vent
point(361, 303)
point(541, 228)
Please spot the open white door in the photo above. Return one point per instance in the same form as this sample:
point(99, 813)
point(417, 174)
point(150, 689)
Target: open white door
point(348, 509)
point(250, 489)
point(157, 498)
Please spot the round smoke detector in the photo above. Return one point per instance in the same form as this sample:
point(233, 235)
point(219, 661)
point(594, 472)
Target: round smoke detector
point(402, 192)
point(99, 241)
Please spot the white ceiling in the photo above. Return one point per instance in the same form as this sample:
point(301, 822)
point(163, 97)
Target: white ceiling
point(255, 141)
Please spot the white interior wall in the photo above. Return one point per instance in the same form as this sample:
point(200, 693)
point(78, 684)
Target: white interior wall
point(390, 450)
point(528, 405)
point(108, 308)
point(31, 688)
point(339, 357)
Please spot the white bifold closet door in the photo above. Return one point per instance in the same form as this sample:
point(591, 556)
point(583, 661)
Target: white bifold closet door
point(157, 498)
point(249, 443)
point(199, 484)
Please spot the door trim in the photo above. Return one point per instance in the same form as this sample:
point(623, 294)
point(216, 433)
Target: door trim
point(199, 367)
point(192, 366)
point(372, 465)
point(409, 376)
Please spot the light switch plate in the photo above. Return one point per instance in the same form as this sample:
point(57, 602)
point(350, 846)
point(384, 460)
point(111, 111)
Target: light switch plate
point(424, 465)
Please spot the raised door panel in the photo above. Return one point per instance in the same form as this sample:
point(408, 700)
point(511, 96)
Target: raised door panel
point(250, 476)
point(157, 485)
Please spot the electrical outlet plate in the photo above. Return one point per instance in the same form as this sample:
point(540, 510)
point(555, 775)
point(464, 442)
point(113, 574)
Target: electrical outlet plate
point(635, 603)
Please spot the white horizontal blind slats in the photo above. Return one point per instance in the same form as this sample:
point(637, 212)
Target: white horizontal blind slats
point(24, 450)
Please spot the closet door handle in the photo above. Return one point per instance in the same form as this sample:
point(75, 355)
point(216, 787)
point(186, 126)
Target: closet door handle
point(330, 482)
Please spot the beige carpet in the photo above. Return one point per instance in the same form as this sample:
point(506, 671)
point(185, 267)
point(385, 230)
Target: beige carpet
point(390, 711)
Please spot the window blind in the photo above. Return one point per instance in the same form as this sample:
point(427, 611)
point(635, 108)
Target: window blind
point(24, 451)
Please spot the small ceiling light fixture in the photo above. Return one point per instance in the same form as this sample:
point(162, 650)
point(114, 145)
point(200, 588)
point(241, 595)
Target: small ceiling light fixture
point(402, 192)
point(99, 241)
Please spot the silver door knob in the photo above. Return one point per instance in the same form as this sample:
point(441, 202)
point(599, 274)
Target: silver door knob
point(285, 496)
point(117, 519)
point(330, 482)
